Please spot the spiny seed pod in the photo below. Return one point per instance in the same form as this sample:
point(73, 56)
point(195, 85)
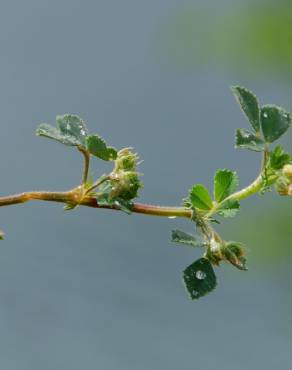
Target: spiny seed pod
point(287, 172)
point(125, 185)
point(233, 253)
point(283, 187)
point(126, 160)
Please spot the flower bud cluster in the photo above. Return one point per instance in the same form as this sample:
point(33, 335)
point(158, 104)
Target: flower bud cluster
point(125, 178)
point(284, 183)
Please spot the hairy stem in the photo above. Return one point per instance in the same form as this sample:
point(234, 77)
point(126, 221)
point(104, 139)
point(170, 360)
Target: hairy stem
point(72, 196)
point(86, 157)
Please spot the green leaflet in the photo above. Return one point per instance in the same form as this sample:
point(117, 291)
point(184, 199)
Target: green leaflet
point(200, 197)
point(229, 208)
point(51, 132)
point(247, 140)
point(97, 147)
point(199, 278)
point(249, 104)
point(178, 236)
point(70, 130)
point(72, 126)
point(225, 183)
point(279, 158)
point(275, 121)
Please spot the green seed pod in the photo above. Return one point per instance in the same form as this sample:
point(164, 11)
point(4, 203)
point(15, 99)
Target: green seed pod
point(234, 254)
point(125, 185)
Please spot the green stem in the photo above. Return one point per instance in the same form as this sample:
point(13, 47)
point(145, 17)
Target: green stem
point(86, 157)
point(253, 188)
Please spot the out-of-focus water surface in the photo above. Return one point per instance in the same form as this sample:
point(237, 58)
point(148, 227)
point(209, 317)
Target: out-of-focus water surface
point(100, 290)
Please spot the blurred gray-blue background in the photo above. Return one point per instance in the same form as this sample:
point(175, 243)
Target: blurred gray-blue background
point(95, 289)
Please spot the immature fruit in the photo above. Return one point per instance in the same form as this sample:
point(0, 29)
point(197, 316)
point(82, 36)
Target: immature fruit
point(287, 172)
point(125, 185)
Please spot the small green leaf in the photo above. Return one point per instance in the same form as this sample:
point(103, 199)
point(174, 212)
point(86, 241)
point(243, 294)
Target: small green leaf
point(246, 140)
point(275, 122)
point(199, 278)
point(123, 205)
point(51, 132)
point(249, 104)
point(97, 147)
point(1, 235)
point(72, 126)
point(70, 207)
point(178, 236)
point(278, 158)
point(200, 197)
point(70, 130)
point(225, 183)
point(229, 208)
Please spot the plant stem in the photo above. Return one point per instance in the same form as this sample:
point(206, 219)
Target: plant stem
point(73, 197)
point(86, 157)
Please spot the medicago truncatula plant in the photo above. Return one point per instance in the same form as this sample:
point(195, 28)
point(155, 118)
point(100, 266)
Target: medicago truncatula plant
point(118, 189)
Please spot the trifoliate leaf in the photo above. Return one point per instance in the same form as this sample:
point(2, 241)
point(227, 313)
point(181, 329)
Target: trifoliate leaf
point(70, 130)
point(72, 125)
point(225, 183)
point(178, 236)
point(249, 105)
point(275, 122)
point(200, 197)
point(247, 140)
point(278, 158)
point(199, 278)
point(229, 208)
point(97, 147)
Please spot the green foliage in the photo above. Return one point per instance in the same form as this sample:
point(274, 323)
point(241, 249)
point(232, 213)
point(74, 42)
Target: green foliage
point(97, 147)
point(72, 126)
point(279, 158)
point(199, 278)
point(178, 236)
point(248, 140)
point(118, 189)
point(200, 197)
point(228, 208)
point(275, 121)
point(72, 131)
point(249, 104)
point(225, 183)
point(269, 122)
